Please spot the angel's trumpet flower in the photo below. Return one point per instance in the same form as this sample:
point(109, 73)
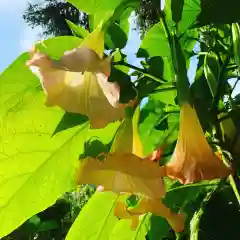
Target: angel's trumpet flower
point(193, 159)
point(125, 171)
point(78, 81)
point(154, 206)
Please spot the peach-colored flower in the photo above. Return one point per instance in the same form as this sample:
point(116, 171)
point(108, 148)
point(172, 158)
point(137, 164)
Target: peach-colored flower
point(193, 159)
point(78, 81)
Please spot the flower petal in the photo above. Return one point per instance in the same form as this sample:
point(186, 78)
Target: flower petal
point(123, 173)
point(156, 207)
point(110, 89)
point(193, 159)
point(122, 212)
point(83, 59)
point(76, 92)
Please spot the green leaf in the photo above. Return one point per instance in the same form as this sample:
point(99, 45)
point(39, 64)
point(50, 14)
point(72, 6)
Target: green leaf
point(191, 9)
point(123, 231)
point(37, 163)
point(155, 43)
point(159, 229)
point(100, 17)
point(185, 199)
point(177, 8)
point(202, 98)
point(124, 23)
point(161, 67)
point(127, 91)
point(48, 226)
point(157, 126)
point(123, 10)
point(167, 97)
point(95, 6)
point(212, 71)
point(116, 37)
point(77, 30)
point(33, 165)
point(151, 113)
point(96, 220)
point(55, 47)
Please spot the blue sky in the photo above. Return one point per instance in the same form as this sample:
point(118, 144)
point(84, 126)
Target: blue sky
point(16, 36)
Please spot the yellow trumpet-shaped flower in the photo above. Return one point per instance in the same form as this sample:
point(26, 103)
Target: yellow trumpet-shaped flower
point(125, 171)
point(154, 206)
point(78, 81)
point(193, 159)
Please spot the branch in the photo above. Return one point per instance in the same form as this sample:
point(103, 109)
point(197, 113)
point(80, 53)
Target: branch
point(157, 79)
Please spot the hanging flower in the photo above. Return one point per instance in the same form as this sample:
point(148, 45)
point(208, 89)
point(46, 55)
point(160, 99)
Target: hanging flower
point(193, 159)
point(125, 171)
point(78, 81)
point(154, 206)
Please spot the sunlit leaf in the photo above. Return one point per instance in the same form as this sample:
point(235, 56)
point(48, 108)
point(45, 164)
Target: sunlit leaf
point(64, 43)
point(191, 9)
point(167, 97)
point(96, 220)
point(155, 43)
point(122, 229)
point(36, 166)
point(95, 6)
point(77, 30)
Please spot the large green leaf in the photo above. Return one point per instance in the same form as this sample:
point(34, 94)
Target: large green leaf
point(123, 231)
point(55, 47)
point(167, 97)
point(177, 8)
point(116, 37)
point(157, 125)
point(95, 6)
point(96, 220)
point(151, 113)
point(37, 158)
point(191, 9)
point(155, 43)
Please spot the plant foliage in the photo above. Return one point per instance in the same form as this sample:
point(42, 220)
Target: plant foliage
point(162, 148)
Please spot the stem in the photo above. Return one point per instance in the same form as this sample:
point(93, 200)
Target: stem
point(235, 84)
point(178, 61)
point(234, 188)
point(165, 27)
point(193, 185)
point(232, 182)
point(164, 90)
point(220, 84)
point(195, 222)
point(161, 80)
